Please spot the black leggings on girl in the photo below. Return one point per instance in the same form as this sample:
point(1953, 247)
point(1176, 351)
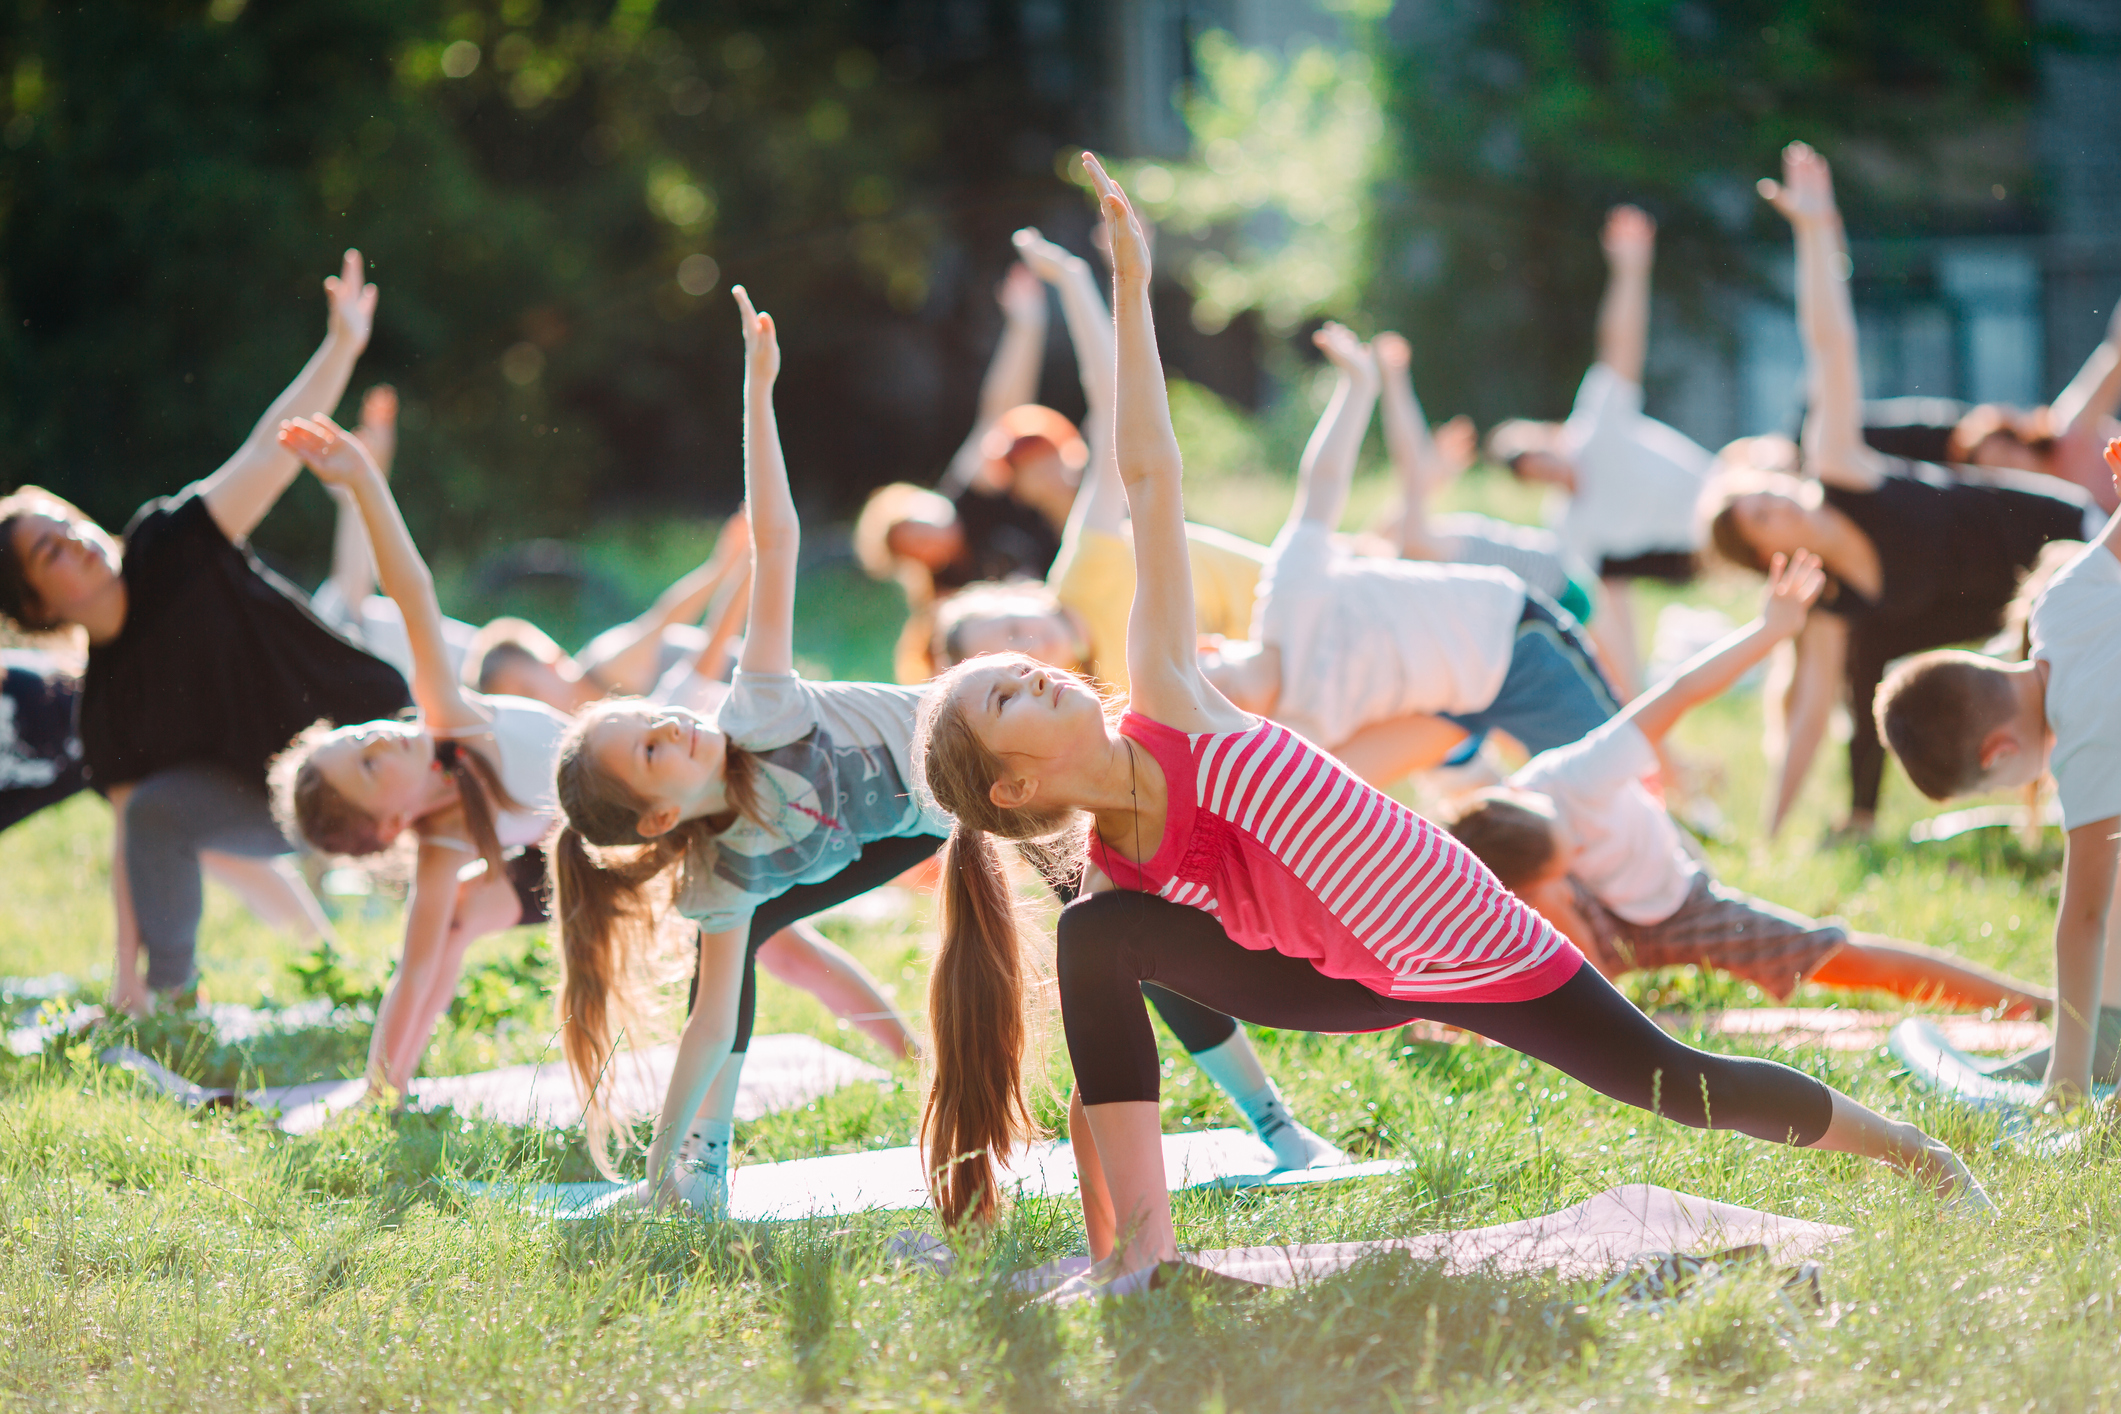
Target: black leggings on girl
point(1112, 943)
point(1196, 1027)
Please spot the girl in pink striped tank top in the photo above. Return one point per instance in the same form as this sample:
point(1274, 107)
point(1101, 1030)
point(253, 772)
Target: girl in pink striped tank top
point(1235, 863)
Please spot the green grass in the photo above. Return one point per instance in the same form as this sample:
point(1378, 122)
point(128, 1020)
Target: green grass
point(153, 1259)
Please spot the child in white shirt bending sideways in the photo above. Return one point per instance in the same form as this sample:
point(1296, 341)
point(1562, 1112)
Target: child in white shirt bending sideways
point(1963, 724)
point(1392, 665)
point(1576, 835)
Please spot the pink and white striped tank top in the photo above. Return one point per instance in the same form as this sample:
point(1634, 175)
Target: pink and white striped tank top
point(1294, 853)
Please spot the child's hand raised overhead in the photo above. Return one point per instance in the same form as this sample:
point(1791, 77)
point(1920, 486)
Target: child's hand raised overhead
point(1046, 260)
point(336, 456)
point(1130, 242)
point(1350, 355)
point(1629, 238)
point(762, 350)
point(1021, 296)
point(379, 425)
point(1805, 195)
point(353, 302)
point(1394, 354)
point(1458, 444)
point(1794, 584)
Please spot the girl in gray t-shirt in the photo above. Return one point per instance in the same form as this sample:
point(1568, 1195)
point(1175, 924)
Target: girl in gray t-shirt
point(794, 796)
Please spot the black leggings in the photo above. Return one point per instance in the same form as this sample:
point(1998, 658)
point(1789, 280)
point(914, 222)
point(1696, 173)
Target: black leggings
point(1111, 943)
point(1197, 1027)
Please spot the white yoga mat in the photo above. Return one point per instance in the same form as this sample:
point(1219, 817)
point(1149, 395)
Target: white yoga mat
point(883, 1180)
point(1590, 1239)
point(781, 1072)
point(1935, 1062)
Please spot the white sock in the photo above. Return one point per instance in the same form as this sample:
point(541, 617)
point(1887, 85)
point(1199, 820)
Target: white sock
point(1277, 1128)
point(1235, 1067)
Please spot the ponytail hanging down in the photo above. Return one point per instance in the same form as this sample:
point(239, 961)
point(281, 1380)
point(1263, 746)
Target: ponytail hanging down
point(976, 1112)
point(976, 1109)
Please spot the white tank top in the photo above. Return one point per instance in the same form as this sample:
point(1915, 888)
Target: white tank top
point(523, 741)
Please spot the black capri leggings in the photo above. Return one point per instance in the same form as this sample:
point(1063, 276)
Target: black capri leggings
point(1111, 943)
point(1198, 1028)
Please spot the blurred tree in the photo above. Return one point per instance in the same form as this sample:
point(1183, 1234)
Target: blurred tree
point(1515, 125)
point(1448, 178)
point(554, 195)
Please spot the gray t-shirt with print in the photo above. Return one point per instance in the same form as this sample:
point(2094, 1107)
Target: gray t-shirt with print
point(835, 771)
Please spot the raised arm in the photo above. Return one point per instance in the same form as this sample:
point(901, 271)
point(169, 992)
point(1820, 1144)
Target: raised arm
point(353, 564)
point(1834, 449)
point(1415, 459)
point(339, 460)
point(2096, 390)
point(1793, 585)
point(776, 535)
point(623, 659)
point(245, 487)
point(1328, 465)
point(1102, 503)
point(1630, 242)
point(1012, 374)
point(1162, 643)
point(1815, 686)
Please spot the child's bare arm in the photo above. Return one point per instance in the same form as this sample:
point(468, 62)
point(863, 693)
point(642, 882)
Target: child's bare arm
point(2082, 921)
point(623, 658)
point(1833, 428)
point(1415, 460)
point(776, 535)
point(2096, 390)
point(1328, 464)
point(1162, 640)
point(1630, 242)
point(339, 460)
point(1100, 503)
point(1012, 374)
point(246, 486)
point(1792, 587)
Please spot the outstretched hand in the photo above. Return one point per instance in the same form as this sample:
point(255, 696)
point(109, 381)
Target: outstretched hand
point(1457, 444)
point(1805, 195)
point(379, 425)
point(1394, 353)
point(335, 455)
point(762, 349)
point(1347, 353)
point(1630, 237)
point(1021, 296)
point(1049, 262)
point(1123, 228)
point(352, 302)
point(1794, 585)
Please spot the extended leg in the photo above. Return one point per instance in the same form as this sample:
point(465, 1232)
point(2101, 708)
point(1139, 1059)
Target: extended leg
point(803, 957)
point(1872, 963)
point(170, 818)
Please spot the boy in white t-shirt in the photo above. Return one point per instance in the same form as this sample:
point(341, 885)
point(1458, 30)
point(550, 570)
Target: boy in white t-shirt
point(1392, 664)
point(1577, 835)
point(1963, 724)
point(1631, 480)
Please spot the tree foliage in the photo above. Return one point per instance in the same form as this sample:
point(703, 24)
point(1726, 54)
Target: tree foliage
point(555, 196)
point(1516, 124)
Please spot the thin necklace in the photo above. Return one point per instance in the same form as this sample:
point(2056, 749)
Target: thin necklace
point(1134, 795)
